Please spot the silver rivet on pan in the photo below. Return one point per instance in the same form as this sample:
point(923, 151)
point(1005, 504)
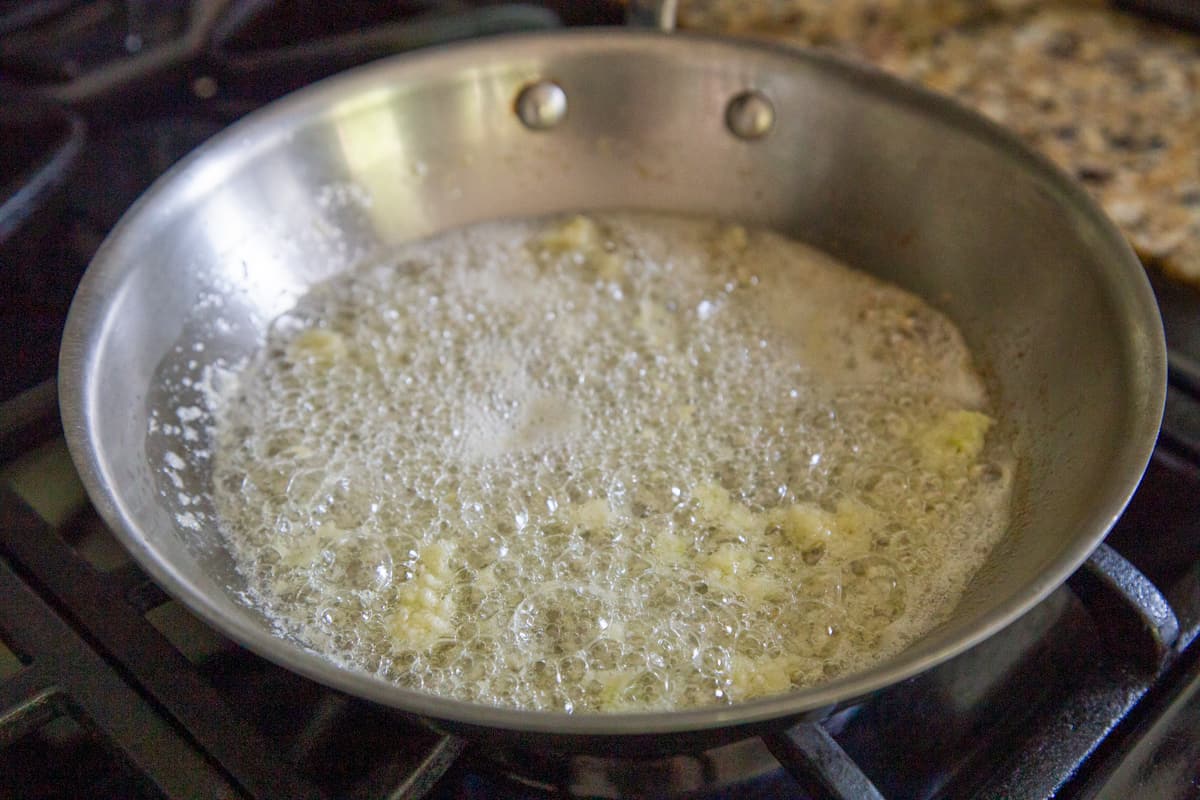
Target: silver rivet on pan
point(541, 105)
point(750, 115)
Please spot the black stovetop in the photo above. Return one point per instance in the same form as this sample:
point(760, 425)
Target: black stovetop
point(109, 689)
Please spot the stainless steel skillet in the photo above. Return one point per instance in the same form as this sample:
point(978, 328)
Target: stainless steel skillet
point(884, 176)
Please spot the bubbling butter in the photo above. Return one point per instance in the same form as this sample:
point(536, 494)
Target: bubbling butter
point(615, 462)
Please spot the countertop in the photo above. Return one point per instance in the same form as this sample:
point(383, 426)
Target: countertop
point(1112, 98)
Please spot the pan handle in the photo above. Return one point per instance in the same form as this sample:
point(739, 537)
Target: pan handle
point(659, 14)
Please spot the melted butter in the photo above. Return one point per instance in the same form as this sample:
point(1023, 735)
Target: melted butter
point(605, 463)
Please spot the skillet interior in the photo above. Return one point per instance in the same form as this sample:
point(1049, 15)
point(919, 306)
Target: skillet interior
point(888, 178)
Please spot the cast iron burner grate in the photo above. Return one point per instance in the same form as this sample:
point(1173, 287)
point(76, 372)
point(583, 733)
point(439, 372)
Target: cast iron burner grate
point(109, 689)
point(1080, 696)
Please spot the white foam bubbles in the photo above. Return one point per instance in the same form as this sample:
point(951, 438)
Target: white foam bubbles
point(478, 470)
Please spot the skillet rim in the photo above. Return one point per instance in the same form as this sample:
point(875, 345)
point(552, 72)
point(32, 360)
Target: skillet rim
point(89, 320)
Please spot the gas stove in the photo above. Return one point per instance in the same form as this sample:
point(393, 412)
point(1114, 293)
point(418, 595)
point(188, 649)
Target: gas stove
point(108, 688)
